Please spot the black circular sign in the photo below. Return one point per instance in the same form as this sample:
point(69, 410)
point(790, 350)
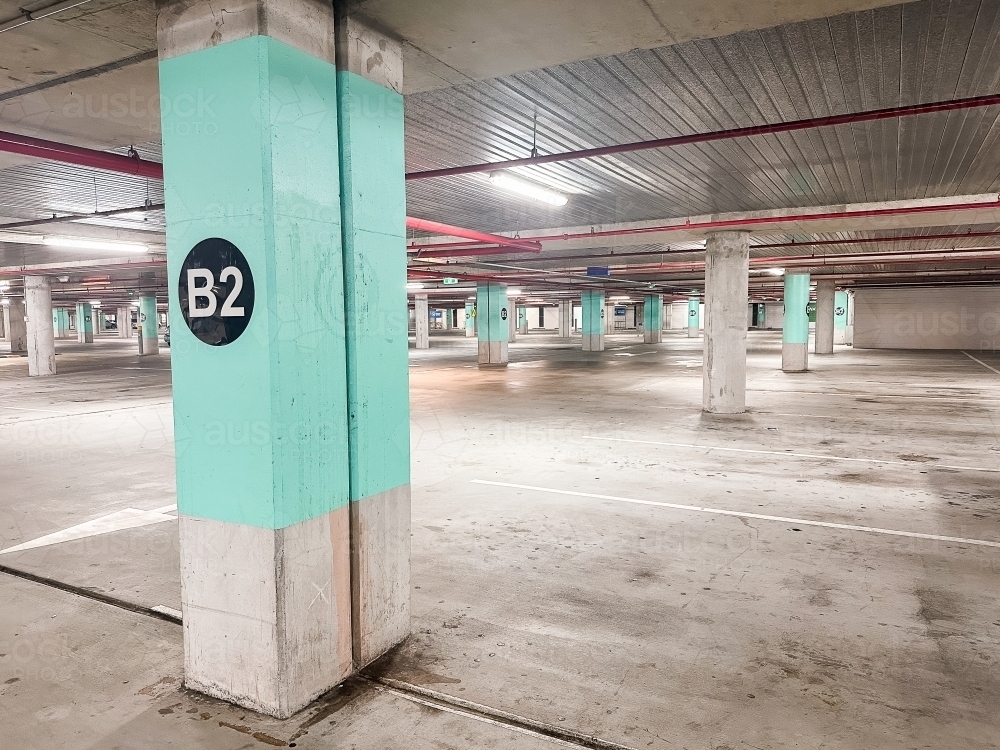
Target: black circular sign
point(503, 313)
point(215, 290)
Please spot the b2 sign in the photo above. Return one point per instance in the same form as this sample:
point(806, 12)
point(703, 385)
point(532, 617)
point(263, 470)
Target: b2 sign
point(215, 291)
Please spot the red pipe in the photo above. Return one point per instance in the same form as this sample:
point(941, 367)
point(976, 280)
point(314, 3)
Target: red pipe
point(719, 135)
point(84, 157)
point(522, 246)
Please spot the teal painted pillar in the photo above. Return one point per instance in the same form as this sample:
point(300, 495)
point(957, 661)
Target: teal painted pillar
point(60, 323)
point(149, 342)
point(373, 203)
point(492, 311)
point(652, 318)
point(470, 320)
point(694, 317)
point(522, 319)
point(592, 320)
point(252, 156)
point(840, 318)
point(795, 333)
point(84, 323)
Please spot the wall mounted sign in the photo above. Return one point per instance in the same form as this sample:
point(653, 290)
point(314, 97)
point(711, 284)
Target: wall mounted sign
point(216, 291)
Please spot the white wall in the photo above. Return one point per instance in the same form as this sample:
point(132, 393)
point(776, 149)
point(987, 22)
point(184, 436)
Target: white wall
point(551, 318)
point(774, 316)
point(941, 318)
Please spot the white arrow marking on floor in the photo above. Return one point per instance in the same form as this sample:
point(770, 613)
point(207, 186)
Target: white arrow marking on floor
point(130, 518)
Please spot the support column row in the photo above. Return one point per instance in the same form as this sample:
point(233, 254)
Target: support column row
point(592, 320)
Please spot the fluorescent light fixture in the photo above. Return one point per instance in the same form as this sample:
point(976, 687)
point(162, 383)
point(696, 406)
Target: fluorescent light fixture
point(77, 243)
point(513, 292)
point(509, 182)
point(776, 271)
point(619, 298)
point(414, 285)
point(95, 303)
point(4, 284)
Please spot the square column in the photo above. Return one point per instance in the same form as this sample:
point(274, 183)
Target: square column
point(40, 335)
point(565, 318)
point(261, 399)
point(840, 302)
point(724, 370)
point(373, 210)
point(795, 333)
point(694, 317)
point(652, 318)
point(84, 323)
point(522, 320)
point(593, 314)
point(125, 322)
point(422, 319)
point(17, 331)
point(148, 326)
point(470, 320)
point(492, 312)
point(60, 322)
point(511, 321)
point(826, 292)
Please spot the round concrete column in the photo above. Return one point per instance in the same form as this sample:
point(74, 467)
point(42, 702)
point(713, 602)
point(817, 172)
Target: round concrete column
point(38, 324)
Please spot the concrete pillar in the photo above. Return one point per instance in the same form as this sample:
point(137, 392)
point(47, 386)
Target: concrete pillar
point(60, 322)
point(293, 488)
point(840, 318)
point(470, 320)
point(17, 332)
point(492, 311)
point(99, 321)
point(565, 318)
point(826, 292)
point(511, 322)
point(522, 320)
point(795, 331)
point(84, 323)
point(150, 343)
point(4, 320)
point(125, 322)
point(41, 343)
point(593, 314)
point(422, 320)
point(652, 318)
point(724, 371)
point(694, 317)
point(609, 320)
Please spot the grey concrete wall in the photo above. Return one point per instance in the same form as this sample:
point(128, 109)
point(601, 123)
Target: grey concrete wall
point(774, 316)
point(942, 318)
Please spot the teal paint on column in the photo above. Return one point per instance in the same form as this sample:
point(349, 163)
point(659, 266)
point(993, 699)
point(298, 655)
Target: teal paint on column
point(84, 318)
point(840, 310)
point(522, 316)
point(694, 313)
point(253, 157)
point(652, 312)
point(60, 321)
point(373, 202)
point(592, 313)
point(796, 323)
point(470, 317)
point(492, 309)
point(147, 316)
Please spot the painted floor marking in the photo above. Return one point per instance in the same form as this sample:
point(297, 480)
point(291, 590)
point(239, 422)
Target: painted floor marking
point(793, 455)
point(129, 518)
point(982, 363)
point(758, 516)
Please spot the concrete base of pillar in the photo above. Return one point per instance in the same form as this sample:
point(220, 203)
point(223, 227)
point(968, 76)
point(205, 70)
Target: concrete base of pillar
point(652, 337)
point(84, 337)
point(380, 581)
point(693, 333)
point(267, 615)
point(794, 357)
point(149, 346)
point(492, 353)
point(593, 342)
point(470, 333)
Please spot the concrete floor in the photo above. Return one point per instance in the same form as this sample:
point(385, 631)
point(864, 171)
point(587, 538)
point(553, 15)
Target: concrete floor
point(560, 600)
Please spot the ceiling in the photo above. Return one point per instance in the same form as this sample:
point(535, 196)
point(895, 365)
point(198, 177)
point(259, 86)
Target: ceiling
point(478, 74)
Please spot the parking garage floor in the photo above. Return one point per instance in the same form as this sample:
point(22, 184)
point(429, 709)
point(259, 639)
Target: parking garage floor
point(595, 562)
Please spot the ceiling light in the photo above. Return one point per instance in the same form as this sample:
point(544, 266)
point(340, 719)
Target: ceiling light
point(95, 303)
point(776, 271)
point(414, 285)
point(5, 302)
point(620, 299)
point(507, 181)
point(513, 292)
point(76, 243)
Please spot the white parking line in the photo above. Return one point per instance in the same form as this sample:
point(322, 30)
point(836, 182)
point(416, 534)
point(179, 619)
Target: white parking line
point(793, 455)
point(982, 363)
point(757, 516)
